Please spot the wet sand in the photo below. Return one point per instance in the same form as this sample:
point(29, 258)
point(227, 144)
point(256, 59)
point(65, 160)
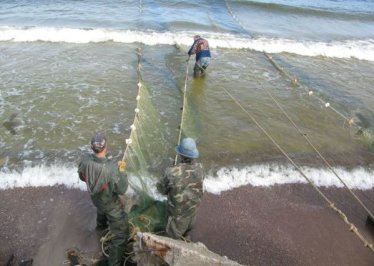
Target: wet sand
point(284, 225)
point(42, 223)
point(281, 225)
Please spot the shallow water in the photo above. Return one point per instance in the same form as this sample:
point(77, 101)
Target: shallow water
point(70, 70)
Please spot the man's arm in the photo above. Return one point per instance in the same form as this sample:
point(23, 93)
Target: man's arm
point(117, 180)
point(123, 183)
point(192, 49)
point(121, 186)
point(163, 185)
point(80, 172)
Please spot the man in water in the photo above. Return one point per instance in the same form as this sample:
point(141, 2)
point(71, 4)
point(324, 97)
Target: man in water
point(183, 185)
point(200, 47)
point(106, 185)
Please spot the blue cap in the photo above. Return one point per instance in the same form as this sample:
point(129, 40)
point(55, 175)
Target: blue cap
point(187, 148)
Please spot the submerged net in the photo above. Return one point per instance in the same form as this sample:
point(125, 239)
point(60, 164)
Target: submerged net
point(145, 152)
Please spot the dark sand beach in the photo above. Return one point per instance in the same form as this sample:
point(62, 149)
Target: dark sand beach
point(42, 223)
point(284, 225)
point(280, 225)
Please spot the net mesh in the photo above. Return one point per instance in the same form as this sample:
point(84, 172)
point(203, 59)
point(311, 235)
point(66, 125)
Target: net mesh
point(144, 155)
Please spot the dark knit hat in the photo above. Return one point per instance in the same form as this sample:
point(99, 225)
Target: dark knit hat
point(98, 142)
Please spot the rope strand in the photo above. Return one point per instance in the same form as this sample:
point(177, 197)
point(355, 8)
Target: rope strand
point(316, 150)
point(348, 120)
point(330, 203)
point(183, 109)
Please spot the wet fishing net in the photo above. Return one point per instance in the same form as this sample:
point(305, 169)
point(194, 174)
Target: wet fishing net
point(145, 154)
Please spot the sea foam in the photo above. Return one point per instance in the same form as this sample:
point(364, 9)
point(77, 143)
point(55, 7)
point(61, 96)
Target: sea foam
point(263, 175)
point(41, 176)
point(268, 175)
point(360, 49)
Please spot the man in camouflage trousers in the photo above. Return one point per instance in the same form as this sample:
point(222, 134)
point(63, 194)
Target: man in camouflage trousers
point(106, 185)
point(183, 185)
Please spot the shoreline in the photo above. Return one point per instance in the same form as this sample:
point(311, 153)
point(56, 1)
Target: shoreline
point(282, 224)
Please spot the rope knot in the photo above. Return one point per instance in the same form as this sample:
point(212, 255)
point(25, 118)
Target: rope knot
point(352, 228)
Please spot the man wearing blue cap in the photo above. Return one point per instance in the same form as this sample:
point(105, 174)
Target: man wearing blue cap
point(183, 185)
point(106, 185)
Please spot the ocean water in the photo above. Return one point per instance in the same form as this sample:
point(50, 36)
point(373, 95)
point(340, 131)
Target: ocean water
point(69, 68)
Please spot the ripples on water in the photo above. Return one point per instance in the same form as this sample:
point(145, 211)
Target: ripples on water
point(82, 78)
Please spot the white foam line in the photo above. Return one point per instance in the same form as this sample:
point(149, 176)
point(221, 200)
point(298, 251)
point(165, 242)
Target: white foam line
point(263, 175)
point(41, 176)
point(268, 175)
point(360, 49)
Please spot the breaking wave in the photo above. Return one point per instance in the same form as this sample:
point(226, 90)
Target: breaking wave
point(268, 175)
point(225, 179)
point(360, 49)
point(41, 176)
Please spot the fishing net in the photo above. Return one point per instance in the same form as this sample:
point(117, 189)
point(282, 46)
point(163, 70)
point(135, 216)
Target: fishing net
point(145, 154)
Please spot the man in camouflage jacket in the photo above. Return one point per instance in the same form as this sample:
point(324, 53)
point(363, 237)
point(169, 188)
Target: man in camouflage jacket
point(183, 185)
point(106, 185)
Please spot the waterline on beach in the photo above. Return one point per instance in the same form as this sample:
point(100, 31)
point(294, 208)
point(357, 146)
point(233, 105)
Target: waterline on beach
point(227, 178)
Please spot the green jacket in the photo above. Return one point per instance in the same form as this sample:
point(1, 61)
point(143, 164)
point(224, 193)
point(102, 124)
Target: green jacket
point(103, 179)
point(183, 185)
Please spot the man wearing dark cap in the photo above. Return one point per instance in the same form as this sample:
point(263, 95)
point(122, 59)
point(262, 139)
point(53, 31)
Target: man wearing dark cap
point(183, 185)
point(200, 47)
point(106, 185)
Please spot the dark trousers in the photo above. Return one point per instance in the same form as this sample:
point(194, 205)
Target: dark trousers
point(116, 219)
point(180, 227)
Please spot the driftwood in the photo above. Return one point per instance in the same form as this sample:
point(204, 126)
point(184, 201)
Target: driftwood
point(152, 250)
